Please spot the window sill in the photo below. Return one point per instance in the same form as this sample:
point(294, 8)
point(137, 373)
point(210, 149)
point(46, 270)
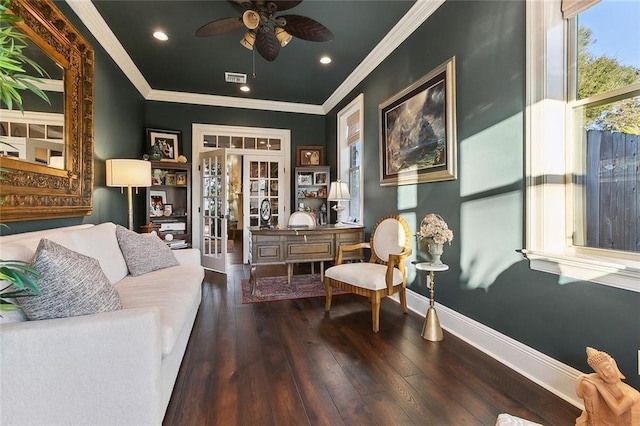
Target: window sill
point(619, 273)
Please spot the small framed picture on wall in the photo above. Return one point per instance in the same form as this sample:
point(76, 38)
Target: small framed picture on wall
point(163, 144)
point(310, 156)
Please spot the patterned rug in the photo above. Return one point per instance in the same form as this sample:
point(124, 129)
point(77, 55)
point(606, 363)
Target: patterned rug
point(269, 289)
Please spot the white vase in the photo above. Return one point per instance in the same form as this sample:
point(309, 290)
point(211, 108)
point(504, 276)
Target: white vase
point(435, 250)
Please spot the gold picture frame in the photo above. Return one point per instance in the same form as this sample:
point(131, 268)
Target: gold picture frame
point(418, 130)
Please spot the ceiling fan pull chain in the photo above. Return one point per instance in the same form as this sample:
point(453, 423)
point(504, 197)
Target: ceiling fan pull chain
point(253, 56)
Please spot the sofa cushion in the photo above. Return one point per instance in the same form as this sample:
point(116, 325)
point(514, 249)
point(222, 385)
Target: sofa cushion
point(99, 242)
point(144, 253)
point(174, 291)
point(71, 283)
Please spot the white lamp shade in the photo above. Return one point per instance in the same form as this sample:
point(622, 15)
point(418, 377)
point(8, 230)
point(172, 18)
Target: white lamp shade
point(122, 172)
point(339, 191)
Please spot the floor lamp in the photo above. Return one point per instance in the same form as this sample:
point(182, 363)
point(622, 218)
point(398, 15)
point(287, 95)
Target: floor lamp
point(129, 173)
point(339, 192)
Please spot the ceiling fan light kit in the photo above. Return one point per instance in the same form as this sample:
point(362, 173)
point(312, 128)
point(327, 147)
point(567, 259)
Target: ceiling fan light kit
point(283, 37)
point(248, 40)
point(251, 19)
point(266, 31)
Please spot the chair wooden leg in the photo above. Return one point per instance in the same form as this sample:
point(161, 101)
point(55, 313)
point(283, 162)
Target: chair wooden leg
point(403, 300)
point(327, 301)
point(375, 312)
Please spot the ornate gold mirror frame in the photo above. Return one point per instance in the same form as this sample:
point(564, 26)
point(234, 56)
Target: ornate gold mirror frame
point(31, 191)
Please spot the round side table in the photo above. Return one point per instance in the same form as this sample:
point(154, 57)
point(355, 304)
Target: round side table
point(431, 329)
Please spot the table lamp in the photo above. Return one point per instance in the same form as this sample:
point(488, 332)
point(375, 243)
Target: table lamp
point(129, 173)
point(339, 192)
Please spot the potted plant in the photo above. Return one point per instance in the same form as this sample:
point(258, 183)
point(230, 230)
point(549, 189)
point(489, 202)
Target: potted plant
point(13, 80)
point(13, 63)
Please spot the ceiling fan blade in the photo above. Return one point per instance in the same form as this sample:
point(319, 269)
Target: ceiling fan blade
point(220, 26)
point(306, 28)
point(241, 5)
point(286, 5)
point(267, 45)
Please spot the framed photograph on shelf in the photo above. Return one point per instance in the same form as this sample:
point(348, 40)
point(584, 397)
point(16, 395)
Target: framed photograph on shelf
point(305, 179)
point(157, 201)
point(170, 179)
point(168, 209)
point(418, 130)
point(320, 178)
point(163, 144)
point(310, 156)
point(181, 178)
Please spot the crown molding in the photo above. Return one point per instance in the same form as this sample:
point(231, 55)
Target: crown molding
point(415, 17)
point(92, 19)
point(232, 102)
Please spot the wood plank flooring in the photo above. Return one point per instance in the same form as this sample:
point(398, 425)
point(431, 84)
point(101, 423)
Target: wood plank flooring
point(289, 363)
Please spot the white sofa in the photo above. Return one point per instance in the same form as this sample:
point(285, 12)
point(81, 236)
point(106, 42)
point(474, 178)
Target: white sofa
point(112, 368)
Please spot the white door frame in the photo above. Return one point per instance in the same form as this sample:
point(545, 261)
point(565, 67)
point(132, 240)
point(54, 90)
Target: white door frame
point(199, 130)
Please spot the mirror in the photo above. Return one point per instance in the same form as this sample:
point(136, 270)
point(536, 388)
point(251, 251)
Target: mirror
point(46, 187)
point(36, 134)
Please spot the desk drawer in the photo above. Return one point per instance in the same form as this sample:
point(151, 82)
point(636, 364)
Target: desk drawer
point(310, 251)
point(263, 253)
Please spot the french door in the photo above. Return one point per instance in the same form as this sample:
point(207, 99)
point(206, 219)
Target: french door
point(261, 145)
point(263, 183)
point(213, 209)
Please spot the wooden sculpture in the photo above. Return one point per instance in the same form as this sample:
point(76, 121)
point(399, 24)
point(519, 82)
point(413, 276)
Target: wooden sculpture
point(607, 400)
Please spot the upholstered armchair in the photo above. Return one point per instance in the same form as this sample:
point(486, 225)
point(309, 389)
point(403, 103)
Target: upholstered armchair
point(383, 275)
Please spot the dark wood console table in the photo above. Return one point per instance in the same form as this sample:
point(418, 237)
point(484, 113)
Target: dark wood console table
point(289, 246)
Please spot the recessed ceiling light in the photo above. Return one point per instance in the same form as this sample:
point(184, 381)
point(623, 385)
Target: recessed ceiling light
point(161, 36)
point(325, 60)
point(245, 88)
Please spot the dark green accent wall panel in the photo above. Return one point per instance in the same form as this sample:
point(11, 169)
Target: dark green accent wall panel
point(305, 129)
point(488, 281)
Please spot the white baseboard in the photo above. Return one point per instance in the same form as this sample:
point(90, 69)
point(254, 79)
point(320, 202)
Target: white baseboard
point(554, 376)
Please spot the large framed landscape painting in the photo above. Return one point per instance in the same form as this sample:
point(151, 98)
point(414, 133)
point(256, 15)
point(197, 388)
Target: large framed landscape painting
point(418, 130)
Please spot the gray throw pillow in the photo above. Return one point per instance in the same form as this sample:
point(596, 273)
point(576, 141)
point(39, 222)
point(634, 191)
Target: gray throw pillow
point(71, 283)
point(144, 253)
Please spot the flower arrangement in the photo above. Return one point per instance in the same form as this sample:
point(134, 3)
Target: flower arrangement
point(434, 227)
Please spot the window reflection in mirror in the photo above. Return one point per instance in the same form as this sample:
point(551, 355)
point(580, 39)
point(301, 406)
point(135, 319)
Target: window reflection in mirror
point(37, 135)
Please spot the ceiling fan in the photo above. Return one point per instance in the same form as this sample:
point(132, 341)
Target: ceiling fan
point(265, 30)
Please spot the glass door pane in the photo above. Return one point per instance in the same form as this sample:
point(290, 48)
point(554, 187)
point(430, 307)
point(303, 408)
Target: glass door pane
point(213, 214)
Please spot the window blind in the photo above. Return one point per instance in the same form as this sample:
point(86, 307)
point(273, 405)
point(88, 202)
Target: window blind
point(353, 128)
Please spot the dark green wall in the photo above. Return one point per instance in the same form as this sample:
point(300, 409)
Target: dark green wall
point(118, 133)
point(558, 319)
point(305, 129)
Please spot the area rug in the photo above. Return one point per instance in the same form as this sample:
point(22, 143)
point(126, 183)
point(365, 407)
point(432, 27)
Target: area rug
point(269, 289)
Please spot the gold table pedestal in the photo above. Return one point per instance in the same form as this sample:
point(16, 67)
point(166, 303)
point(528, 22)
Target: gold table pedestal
point(431, 329)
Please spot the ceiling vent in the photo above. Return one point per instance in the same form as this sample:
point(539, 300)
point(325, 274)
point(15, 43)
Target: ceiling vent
point(235, 77)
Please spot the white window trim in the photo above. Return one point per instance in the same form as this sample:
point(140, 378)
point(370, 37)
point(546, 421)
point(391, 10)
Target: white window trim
point(548, 164)
point(343, 156)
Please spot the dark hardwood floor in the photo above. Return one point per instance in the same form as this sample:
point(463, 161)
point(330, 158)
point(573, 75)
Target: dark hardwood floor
point(289, 363)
